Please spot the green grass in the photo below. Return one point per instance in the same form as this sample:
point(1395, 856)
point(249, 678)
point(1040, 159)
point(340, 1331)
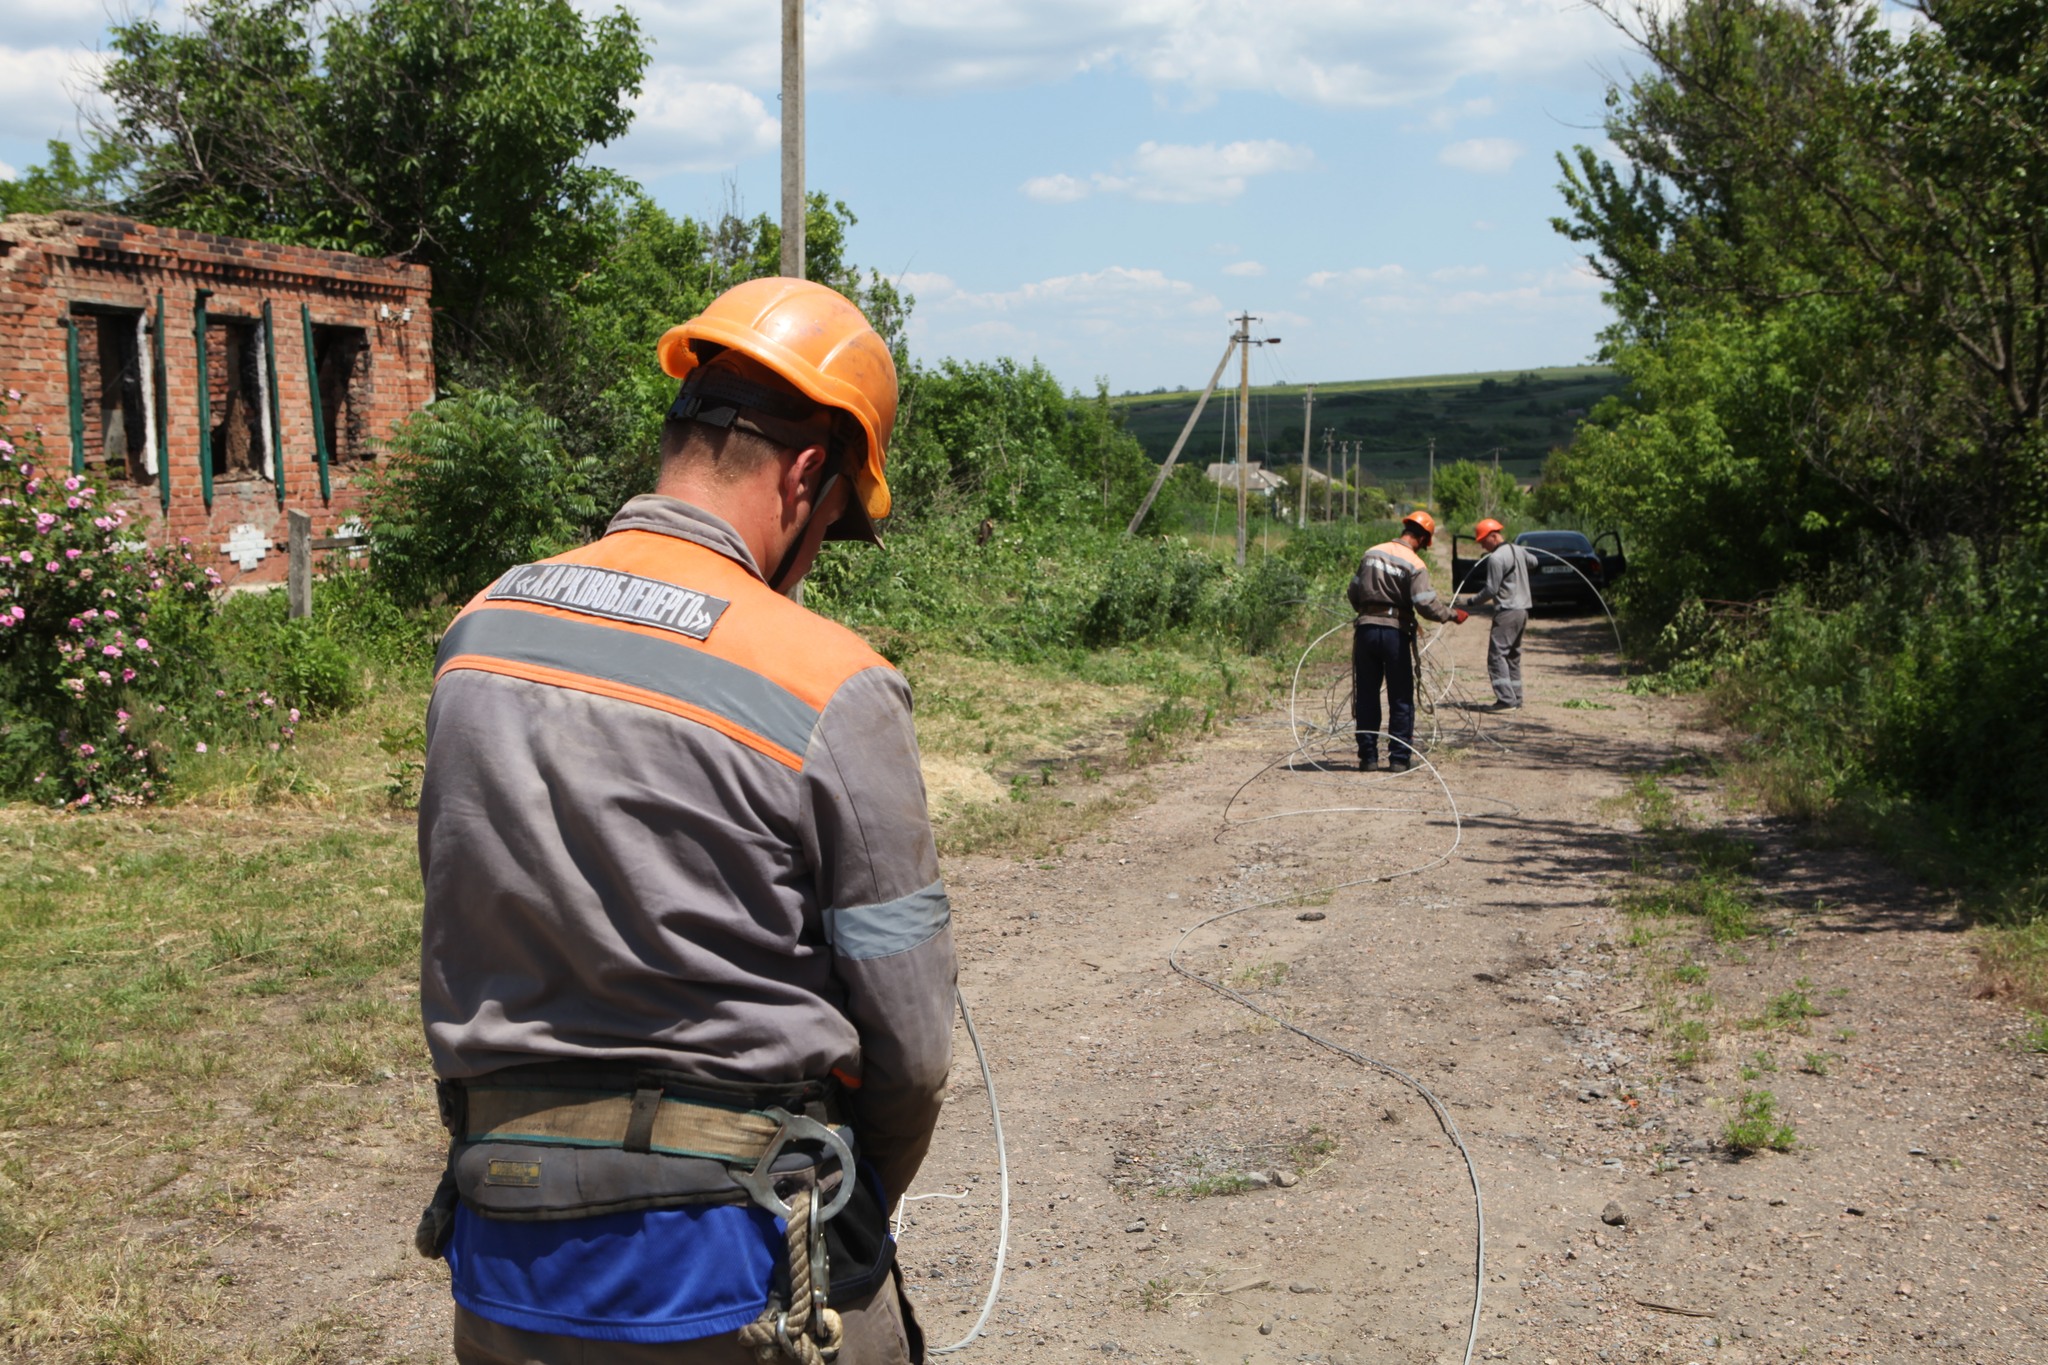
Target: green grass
point(2035, 1038)
point(1260, 975)
point(1757, 1127)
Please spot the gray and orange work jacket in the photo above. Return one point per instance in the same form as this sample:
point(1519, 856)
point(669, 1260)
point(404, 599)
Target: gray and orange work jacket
point(1392, 586)
point(671, 818)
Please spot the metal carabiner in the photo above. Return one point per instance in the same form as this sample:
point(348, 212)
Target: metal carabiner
point(760, 1183)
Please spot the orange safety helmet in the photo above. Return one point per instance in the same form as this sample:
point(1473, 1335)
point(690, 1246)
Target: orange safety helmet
point(823, 346)
point(1486, 528)
point(1423, 522)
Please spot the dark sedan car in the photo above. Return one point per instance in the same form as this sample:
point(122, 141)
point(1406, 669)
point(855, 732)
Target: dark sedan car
point(1569, 567)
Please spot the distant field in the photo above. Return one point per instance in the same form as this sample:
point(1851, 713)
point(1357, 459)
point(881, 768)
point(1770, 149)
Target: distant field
point(1522, 413)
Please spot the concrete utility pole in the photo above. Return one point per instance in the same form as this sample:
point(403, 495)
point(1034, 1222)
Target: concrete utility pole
point(793, 138)
point(1193, 417)
point(1329, 473)
point(1244, 425)
point(1308, 414)
point(1432, 476)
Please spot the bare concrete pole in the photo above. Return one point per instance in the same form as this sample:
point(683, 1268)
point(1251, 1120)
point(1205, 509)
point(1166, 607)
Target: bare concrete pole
point(1329, 473)
point(793, 138)
point(1244, 426)
point(1308, 418)
point(1160, 481)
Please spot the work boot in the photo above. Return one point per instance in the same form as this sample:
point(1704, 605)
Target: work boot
point(1397, 765)
point(1368, 762)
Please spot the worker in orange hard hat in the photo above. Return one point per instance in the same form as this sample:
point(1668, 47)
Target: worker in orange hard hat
point(1390, 589)
point(1506, 578)
point(687, 973)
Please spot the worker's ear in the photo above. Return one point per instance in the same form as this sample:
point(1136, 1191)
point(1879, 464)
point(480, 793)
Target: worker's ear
point(802, 473)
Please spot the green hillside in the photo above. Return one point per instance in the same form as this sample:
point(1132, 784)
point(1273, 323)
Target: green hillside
point(1523, 414)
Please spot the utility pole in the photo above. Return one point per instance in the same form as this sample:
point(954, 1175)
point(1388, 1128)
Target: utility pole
point(1160, 481)
point(1432, 476)
point(1308, 413)
point(1244, 425)
point(1329, 473)
point(793, 138)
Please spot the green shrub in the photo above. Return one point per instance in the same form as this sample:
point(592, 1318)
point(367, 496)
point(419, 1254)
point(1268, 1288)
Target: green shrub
point(1149, 587)
point(1756, 1125)
point(93, 635)
point(474, 485)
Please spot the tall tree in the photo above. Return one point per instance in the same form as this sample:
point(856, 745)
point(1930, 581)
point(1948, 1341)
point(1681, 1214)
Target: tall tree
point(454, 133)
point(1796, 163)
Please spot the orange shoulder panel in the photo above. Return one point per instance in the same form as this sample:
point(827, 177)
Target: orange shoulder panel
point(762, 631)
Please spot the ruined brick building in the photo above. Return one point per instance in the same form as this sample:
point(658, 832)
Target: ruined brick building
point(214, 383)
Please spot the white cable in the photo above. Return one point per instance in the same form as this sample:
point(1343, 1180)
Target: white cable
point(1437, 1107)
point(995, 1116)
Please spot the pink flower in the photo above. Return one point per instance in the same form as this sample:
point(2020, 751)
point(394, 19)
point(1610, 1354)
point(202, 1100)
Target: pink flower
point(201, 746)
point(73, 503)
point(120, 715)
point(295, 715)
point(14, 395)
point(85, 800)
point(87, 750)
point(71, 484)
point(111, 651)
point(50, 567)
point(128, 675)
point(77, 624)
point(46, 519)
point(73, 553)
point(142, 644)
point(27, 558)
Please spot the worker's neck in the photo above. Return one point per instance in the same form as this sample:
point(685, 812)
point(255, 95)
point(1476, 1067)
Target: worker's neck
point(751, 504)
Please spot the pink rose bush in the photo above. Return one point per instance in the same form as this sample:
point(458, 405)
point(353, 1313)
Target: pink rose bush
point(78, 591)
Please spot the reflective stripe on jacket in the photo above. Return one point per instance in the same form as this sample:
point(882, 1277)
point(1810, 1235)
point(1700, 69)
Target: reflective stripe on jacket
point(1393, 578)
point(671, 816)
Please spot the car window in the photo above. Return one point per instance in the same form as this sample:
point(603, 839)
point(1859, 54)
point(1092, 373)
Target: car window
point(1561, 542)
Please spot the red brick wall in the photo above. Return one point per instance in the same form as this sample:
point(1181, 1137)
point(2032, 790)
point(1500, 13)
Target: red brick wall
point(48, 264)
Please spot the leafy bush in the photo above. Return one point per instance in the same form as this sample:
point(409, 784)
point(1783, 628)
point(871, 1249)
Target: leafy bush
point(475, 484)
point(85, 647)
point(1149, 587)
point(1330, 551)
point(1466, 491)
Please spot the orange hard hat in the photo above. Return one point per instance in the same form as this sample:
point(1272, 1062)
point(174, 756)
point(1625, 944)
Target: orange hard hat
point(1486, 528)
point(1423, 521)
point(819, 343)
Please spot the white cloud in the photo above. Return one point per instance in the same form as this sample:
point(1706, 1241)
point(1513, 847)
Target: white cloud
point(1446, 116)
point(40, 90)
point(1175, 173)
point(1451, 274)
point(7, 172)
point(1357, 277)
point(1066, 320)
point(1482, 155)
point(1055, 189)
point(682, 124)
point(1245, 269)
point(1356, 53)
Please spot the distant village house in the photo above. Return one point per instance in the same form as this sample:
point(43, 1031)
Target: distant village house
point(214, 383)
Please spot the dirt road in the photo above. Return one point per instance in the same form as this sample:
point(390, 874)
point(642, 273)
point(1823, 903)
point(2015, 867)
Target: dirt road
point(1147, 1117)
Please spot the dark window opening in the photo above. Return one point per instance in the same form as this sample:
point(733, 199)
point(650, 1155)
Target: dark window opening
point(234, 380)
point(341, 357)
point(113, 368)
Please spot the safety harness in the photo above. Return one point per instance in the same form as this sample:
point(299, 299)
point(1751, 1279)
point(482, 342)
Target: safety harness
point(547, 1141)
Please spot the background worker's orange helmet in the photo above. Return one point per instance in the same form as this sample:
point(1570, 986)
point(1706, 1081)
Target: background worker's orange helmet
point(1423, 522)
point(822, 345)
point(1486, 528)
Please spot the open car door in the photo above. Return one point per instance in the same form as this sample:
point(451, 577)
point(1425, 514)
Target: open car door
point(1465, 576)
point(1613, 562)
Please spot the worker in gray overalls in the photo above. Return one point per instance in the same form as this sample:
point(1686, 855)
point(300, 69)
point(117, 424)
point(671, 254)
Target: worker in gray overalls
point(1505, 578)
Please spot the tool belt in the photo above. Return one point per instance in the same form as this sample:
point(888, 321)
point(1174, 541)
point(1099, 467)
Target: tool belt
point(1377, 611)
point(558, 1141)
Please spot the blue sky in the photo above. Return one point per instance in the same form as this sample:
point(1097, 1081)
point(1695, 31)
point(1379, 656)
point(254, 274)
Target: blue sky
point(1101, 183)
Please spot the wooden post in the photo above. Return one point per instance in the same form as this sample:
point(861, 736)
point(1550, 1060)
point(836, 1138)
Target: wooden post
point(299, 547)
point(793, 205)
